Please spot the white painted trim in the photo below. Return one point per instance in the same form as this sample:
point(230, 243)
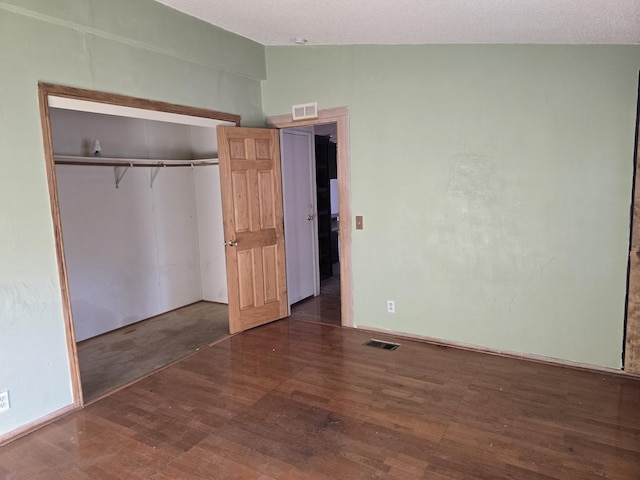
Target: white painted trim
point(309, 133)
point(122, 111)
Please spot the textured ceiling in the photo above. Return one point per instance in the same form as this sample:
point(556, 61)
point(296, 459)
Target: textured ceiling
point(340, 22)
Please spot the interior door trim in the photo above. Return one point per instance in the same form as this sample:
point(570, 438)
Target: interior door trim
point(631, 332)
point(308, 133)
point(339, 116)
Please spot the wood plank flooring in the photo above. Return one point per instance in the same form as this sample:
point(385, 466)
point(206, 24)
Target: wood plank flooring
point(302, 400)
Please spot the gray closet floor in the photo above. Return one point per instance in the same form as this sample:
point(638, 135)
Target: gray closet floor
point(116, 358)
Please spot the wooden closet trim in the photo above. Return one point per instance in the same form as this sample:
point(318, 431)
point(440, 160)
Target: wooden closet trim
point(134, 102)
point(44, 91)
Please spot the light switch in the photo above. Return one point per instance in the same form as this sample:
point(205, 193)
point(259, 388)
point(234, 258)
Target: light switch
point(359, 225)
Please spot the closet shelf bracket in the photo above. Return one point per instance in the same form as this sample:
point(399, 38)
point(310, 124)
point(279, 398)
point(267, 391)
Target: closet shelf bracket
point(119, 172)
point(154, 173)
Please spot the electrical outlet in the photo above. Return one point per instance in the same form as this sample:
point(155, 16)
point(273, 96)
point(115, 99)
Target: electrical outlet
point(391, 306)
point(4, 401)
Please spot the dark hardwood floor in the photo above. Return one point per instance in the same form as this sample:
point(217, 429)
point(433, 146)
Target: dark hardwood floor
point(302, 400)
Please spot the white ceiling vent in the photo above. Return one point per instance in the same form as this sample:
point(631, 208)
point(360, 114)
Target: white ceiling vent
point(305, 111)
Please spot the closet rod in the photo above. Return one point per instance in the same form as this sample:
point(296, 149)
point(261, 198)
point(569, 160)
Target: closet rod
point(195, 163)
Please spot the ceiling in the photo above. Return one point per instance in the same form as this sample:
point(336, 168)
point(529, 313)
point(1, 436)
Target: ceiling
point(349, 22)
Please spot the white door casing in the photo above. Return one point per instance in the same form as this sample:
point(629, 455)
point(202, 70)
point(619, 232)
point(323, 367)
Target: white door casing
point(300, 222)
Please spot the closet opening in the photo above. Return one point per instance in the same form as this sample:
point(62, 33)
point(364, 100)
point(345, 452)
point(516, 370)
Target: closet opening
point(135, 196)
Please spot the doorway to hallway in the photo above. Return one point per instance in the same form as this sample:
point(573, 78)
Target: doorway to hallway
point(340, 117)
point(311, 210)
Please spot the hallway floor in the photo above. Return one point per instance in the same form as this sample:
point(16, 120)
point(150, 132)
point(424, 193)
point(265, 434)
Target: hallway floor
point(325, 308)
point(321, 309)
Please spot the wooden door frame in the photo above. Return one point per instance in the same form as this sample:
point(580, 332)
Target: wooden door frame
point(339, 116)
point(45, 90)
point(631, 333)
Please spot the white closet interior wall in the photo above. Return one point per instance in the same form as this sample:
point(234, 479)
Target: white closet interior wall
point(136, 251)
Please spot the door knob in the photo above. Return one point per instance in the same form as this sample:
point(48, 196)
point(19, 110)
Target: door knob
point(309, 217)
point(232, 243)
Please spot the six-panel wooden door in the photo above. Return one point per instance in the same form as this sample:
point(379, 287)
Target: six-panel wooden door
point(251, 187)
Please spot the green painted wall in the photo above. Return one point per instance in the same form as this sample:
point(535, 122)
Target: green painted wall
point(132, 47)
point(495, 181)
point(495, 185)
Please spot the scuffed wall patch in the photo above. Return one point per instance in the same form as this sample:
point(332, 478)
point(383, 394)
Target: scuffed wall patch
point(480, 228)
point(473, 176)
point(18, 301)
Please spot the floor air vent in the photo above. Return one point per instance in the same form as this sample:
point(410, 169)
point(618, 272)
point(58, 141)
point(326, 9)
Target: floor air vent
point(381, 344)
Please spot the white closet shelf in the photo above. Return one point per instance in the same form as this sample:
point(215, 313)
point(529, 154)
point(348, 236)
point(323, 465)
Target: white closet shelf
point(121, 165)
point(132, 162)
